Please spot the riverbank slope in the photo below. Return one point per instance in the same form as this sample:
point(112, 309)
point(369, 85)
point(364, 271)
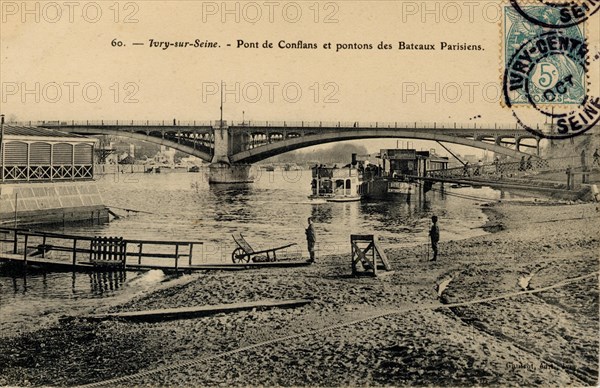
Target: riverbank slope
point(405, 328)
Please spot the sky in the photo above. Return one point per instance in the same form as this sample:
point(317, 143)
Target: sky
point(77, 61)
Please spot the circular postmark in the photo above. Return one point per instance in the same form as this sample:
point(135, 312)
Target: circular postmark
point(549, 72)
point(558, 13)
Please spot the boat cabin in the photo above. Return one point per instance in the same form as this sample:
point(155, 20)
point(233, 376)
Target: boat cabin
point(335, 184)
point(410, 162)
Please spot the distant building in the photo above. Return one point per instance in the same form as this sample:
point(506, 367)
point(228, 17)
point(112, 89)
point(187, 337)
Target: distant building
point(46, 177)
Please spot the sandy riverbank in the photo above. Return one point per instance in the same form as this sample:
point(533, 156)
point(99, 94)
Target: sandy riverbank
point(537, 339)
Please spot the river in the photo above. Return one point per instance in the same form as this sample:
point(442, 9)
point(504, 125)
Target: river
point(270, 212)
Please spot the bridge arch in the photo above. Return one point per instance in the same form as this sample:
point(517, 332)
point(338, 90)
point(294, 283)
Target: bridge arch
point(266, 151)
point(160, 141)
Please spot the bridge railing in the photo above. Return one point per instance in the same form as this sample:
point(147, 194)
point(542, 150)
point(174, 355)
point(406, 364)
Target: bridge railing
point(375, 124)
point(115, 123)
point(507, 169)
point(278, 124)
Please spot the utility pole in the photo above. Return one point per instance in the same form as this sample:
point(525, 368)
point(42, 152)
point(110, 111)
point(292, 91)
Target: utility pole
point(221, 108)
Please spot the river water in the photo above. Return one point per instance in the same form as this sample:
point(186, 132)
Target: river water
point(270, 212)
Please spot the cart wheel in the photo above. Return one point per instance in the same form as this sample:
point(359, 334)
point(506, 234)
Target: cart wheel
point(237, 256)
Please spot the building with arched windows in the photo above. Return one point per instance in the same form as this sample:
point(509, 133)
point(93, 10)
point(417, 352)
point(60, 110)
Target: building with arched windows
point(46, 176)
point(31, 154)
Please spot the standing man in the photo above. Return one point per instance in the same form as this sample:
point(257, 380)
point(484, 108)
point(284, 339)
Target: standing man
point(596, 158)
point(311, 238)
point(466, 168)
point(497, 165)
point(434, 234)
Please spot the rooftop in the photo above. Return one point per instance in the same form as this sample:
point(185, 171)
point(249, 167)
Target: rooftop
point(19, 130)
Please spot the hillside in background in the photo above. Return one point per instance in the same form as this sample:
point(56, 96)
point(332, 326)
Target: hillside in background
point(588, 142)
point(336, 154)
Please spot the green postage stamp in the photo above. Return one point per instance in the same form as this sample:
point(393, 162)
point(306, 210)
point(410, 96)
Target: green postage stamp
point(543, 63)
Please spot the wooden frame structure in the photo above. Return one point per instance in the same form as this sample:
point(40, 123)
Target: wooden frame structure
point(367, 251)
point(244, 252)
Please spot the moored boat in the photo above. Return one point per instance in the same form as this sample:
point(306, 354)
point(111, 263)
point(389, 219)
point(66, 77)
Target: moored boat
point(334, 184)
point(395, 176)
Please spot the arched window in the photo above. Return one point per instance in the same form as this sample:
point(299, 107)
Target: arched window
point(83, 154)
point(40, 154)
point(16, 153)
point(62, 154)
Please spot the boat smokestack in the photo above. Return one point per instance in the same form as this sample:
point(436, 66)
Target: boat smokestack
point(353, 160)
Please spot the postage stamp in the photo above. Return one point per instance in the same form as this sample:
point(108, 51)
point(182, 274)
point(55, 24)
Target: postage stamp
point(556, 13)
point(546, 70)
point(549, 70)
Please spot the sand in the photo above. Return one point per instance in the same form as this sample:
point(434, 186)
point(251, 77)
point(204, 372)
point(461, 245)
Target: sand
point(544, 338)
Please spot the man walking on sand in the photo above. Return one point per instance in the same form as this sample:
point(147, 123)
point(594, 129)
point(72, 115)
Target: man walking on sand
point(311, 238)
point(434, 234)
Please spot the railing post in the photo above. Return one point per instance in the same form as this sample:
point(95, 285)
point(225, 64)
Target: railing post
point(25, 250)
point(176, 259)
point(124, 254)
point(74, 252)
point(190, 253)
point(44, 247)
point(140, 254)
point(15, 242)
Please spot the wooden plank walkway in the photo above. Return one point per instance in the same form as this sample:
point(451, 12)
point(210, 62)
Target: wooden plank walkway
point(194, 312)
point(83, 253)
point(132, 265)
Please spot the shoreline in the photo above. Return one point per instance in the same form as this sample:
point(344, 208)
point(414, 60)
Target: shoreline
point(553, 334)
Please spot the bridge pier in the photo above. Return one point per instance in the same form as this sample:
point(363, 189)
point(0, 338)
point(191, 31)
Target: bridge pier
point(221, 170)
point(229, 173)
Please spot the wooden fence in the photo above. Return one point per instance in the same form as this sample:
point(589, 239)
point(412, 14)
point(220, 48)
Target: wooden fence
point(82, 251)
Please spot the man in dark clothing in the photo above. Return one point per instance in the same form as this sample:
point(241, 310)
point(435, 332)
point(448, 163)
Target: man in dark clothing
point(311, 239)
point(434, 234)
point(522, 164)
point(596, 160)
point(466, 169)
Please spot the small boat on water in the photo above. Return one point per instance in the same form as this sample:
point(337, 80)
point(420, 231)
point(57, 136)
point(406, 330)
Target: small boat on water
point(334, 184)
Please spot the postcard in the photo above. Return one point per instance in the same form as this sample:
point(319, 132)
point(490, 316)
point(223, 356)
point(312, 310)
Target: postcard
point(299, 193)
